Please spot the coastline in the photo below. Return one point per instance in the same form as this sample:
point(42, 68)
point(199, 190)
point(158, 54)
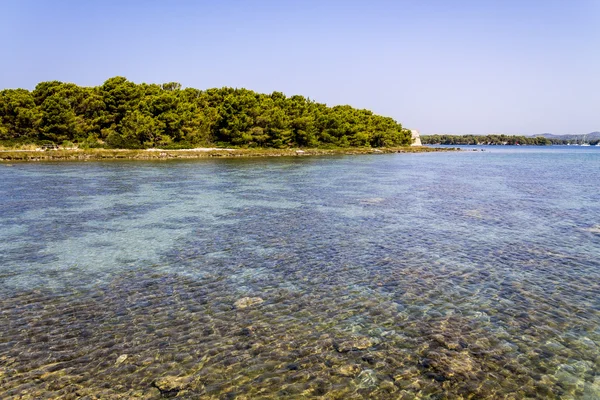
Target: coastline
point(159, 154)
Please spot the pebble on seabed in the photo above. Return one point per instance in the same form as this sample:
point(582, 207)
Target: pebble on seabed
point(247, 302)
point(349, 370)
point(360, 343)
point(121, 359)
point(170, 385)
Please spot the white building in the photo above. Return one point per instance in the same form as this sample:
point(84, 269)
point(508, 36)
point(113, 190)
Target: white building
point(416, 138)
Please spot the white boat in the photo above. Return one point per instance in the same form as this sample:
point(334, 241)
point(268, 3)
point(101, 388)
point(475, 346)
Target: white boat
point(585, 144)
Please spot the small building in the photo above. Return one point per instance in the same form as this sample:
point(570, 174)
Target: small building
point(416, 138)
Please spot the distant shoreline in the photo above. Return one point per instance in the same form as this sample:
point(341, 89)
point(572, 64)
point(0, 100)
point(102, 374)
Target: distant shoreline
point(159, 154)
point(590, 139)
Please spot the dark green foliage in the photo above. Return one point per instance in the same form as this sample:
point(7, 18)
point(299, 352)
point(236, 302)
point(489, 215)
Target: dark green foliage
point(122, 114)
point(20, 116)
point(58, 119)
point(490, 139)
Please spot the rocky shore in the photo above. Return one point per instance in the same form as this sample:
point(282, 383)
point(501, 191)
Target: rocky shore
point(150, 154)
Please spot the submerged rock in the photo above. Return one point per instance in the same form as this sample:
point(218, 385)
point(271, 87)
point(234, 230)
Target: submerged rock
point(360, 343)
point(349, 370)
point(447, 342)
point(455, 364)
point(247, 331)
point(169, 386)
point(121, 359)
point(247, 302)
point(293, 367)
point(568, 380)
point(367, 379)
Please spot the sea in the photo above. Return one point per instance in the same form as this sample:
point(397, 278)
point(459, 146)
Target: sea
point(450, 275)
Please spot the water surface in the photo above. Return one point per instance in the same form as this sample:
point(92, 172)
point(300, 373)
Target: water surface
point(412, 276)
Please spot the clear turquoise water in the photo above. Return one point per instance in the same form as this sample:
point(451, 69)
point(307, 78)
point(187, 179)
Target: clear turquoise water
point(450, 275)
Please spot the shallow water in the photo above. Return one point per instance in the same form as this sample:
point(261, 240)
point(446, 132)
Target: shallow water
point(433, 276)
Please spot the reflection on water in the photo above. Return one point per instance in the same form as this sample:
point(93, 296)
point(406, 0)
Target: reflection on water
point(430, 276)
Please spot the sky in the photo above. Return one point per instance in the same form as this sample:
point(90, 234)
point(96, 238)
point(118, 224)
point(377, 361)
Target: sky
point(453, 67)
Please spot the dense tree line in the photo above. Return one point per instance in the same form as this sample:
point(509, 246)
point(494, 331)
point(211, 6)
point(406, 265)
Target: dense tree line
point(490, 139)
point(122, 114)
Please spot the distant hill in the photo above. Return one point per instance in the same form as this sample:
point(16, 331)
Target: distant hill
point(586, 136)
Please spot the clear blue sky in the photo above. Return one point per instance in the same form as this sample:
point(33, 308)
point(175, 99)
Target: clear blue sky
point(516, 67)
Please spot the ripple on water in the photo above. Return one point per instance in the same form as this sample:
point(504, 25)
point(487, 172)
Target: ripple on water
point(368, 277)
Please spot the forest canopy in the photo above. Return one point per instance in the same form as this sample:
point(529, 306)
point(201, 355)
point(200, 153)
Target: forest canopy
point(123, 114)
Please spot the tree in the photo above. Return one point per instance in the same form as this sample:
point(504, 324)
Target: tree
point(141, 130)
point(120, 97)
point(120, 113)
point(19, 115)
point(171, 86)
point(58, 119)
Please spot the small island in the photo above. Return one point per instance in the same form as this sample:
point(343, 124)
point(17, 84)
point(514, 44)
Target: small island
point(121, 114)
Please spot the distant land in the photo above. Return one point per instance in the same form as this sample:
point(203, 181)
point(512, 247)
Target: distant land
point(545, 139)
